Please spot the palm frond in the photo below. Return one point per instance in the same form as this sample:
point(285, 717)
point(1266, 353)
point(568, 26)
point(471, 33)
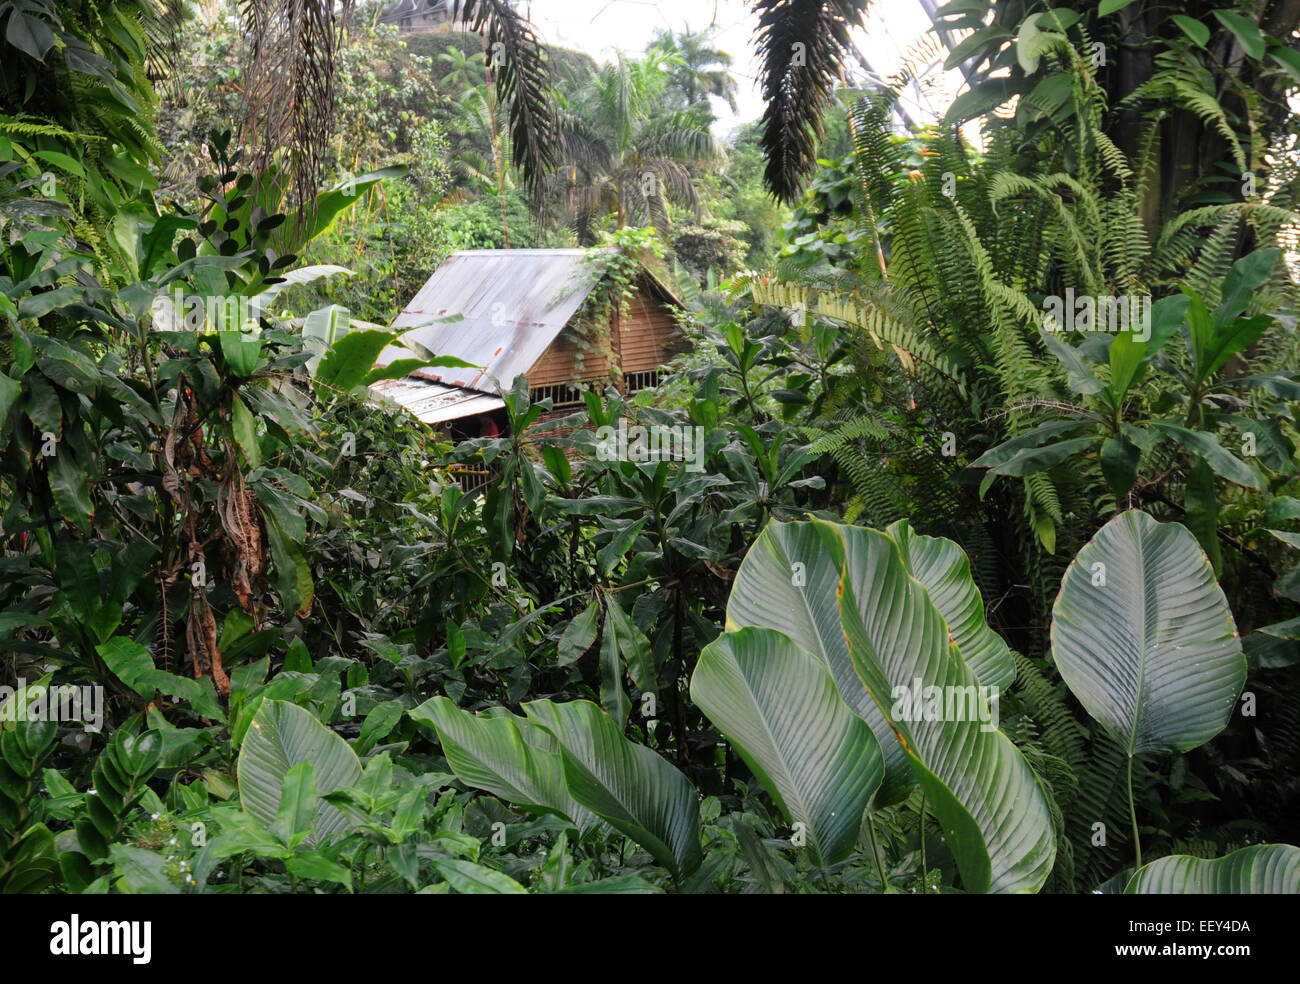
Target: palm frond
point(801, 48)
point(522, 77)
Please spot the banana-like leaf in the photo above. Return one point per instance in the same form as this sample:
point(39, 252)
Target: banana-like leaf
point(1206, 446)
point(627, 784)
point(788, 582)
point(469, 878)
point(778, 705)
point(302, 275)
point(280, 736)
point(71, 489)
point(987, 798)
point(350, 360)
point(1143, 636)
point(944, 569)
point(1261, 869)
point(492, 753)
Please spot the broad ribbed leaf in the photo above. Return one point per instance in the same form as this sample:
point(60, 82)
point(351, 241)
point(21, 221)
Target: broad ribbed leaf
point(988, 800)
point(1262, 869)
point(627, 784)
point(996, 457)
point(779, 706)
point(292, 569)
point(944, 569)
point(1143, 636)
point(578, 636)
point(348, 359)
point(788, 582)
point(10, 389)
point(302, 275)
point(280, 736)
point(296, 813)
point(1207, 446)
point(491, 753)
point(469, 878)
point(71, 490)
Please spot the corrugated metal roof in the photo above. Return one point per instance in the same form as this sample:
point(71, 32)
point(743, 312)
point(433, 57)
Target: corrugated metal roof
point(432, 403)
point(513, 303)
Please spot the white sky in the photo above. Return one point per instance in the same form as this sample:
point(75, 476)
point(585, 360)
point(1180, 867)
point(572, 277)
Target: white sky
point(602, 27)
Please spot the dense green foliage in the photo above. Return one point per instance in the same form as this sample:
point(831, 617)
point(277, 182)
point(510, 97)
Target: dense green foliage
point(933, 594)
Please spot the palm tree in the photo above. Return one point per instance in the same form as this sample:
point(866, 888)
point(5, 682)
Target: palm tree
point(477, 102)
point(701, 70)
point(624, 154)
point(289, 85)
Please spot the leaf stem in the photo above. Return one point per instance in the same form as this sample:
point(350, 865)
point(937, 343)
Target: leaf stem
point(875, 851)
point(925, 875)
point(1132, 812)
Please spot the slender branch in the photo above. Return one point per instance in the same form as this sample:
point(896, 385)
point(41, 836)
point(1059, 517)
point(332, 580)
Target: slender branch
point(875, 851)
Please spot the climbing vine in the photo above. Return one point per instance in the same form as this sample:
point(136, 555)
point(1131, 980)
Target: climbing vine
point(615, 265)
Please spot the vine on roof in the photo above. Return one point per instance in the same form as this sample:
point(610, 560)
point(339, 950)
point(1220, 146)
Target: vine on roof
point(615, 271)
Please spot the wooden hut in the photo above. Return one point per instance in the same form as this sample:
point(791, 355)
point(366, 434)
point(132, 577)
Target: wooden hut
point(521, 311)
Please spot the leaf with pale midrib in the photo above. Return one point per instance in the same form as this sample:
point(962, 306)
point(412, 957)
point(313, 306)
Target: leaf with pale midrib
point(1262, 869)
point(1153, 653)
point(280, 736)
point(506, 755)
point(627, 784)
point(944, 569)
point(778, 705)
point(765, 595)
point(986, 797)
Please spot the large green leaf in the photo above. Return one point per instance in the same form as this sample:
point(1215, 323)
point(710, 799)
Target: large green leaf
point(627, 784)
point(296, 815)
point(1207, 446)
point(349, 358)
point(242, 351)
point(469, 878)
point(1079, 376)
point(996, 457)
point(1119, 463)
point(9, 393)
point(349, 361)
point(317, 218)
point(981, 99)
point(944, 569)
point(987, 798)
point(1128, 363)
point(133, 665)
point(579, 635)
point(778, 705)
point(1193, 28)
point(788, 582)
point(1032, 460)
point(1261, 869)
point(71, 490)
point(292, 569)
point(1247, 32)
point(1143, 636)
point(1289, 60)
point(1112, 6)
point(491, 752)
point(1228, 340)
point(244, 426)
point(280, 736)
